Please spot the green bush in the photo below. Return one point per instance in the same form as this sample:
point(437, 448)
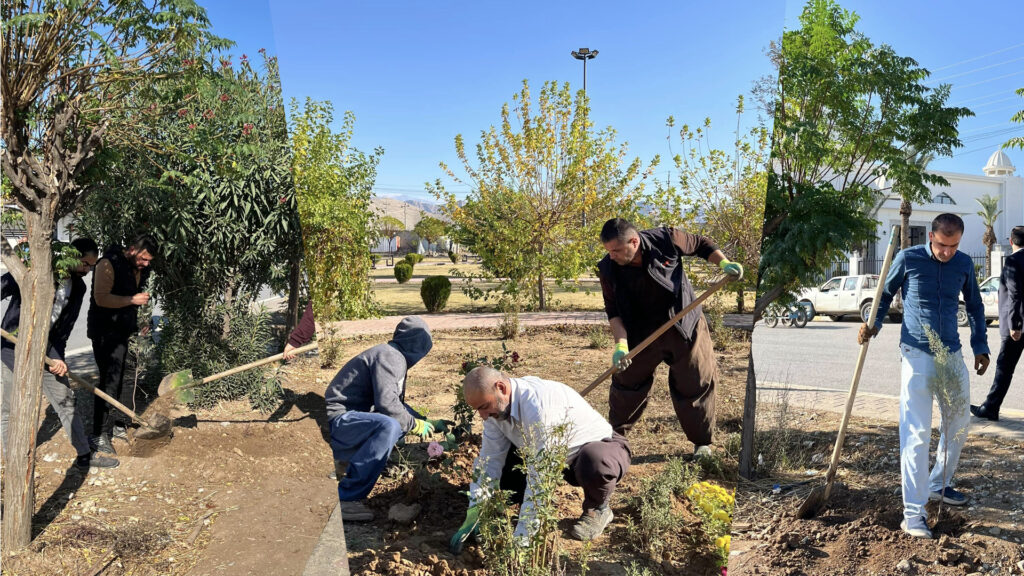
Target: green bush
point(453, 257)
point(403, 271)
point(435, 292)
point(413, 258)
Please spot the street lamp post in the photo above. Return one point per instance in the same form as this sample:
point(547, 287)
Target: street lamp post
point(584, 54)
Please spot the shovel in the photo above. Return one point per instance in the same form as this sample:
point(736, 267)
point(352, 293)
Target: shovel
point(819, 496)
point(715, 286)
point(158, 428)
point(179, 384)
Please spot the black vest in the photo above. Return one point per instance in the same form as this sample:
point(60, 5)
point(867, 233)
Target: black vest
point(661, 260)
point(116, 322)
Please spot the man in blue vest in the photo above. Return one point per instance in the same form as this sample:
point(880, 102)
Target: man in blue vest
point(930, 278)
point(113, 319)
point(644, 285)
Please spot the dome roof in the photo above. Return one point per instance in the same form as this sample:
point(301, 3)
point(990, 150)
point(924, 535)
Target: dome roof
point(999, 164)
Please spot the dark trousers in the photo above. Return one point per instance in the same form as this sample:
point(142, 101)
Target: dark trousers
point(597, 467)
point(111, 352)
point(692, 373)
point(1009, 354)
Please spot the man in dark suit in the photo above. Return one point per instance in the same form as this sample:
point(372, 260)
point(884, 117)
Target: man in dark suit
point(1011, 324)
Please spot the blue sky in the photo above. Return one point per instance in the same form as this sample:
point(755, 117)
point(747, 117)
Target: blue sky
point(417, 73)
point(978, 48)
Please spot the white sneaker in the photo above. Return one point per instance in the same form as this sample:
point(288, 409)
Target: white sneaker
point(702, 452)
point(918, 528)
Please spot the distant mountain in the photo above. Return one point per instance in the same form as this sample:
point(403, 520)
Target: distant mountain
point(408, 212)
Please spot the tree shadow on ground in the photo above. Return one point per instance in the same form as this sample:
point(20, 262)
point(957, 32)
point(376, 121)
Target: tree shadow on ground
point(58, 501)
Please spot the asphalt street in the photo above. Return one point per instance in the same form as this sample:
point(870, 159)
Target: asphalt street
point(824, 353)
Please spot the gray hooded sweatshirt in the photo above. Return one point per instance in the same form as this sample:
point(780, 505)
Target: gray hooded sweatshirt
point(376, 377)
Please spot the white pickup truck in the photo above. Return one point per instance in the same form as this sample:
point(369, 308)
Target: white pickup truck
point(852, 295)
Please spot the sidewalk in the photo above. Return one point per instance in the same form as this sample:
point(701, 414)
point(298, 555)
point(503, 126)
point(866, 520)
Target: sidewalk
point(881, 407)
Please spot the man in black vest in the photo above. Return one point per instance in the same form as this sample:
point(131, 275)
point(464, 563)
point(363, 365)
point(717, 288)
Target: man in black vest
point(113, 318)
point(67, 303)
point(644, 285)
point(1011, 323)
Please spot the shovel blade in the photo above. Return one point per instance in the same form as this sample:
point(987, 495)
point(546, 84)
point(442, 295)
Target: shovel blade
point(170, 384)
point(813, 504)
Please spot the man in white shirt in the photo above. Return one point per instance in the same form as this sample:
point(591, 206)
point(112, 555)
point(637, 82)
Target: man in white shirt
point(519, 410)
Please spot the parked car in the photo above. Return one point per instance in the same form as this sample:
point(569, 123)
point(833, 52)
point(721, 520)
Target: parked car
point(848, 295)
point(990, 296)
point(844, 296)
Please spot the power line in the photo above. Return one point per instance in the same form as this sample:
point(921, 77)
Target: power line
point(973, 70)
point(1000, 51)
point(1017, 73)
point(989, 95)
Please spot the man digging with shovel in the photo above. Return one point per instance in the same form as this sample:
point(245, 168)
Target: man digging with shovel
point(644, 285)
point(66, 307)
point(362, 439)
point(930, 278)
point(520, 410)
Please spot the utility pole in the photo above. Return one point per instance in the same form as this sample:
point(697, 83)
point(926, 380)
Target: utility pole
point(584, 54)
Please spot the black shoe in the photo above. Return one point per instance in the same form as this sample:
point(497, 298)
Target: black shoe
point(981, 412)
point(120, 432)
point(96, 460)
point(101, 443)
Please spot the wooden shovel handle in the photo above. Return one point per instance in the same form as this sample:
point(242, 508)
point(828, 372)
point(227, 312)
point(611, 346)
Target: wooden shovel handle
point(715, 286)
point(833, 465)
point(82, 383)
point(248, 366)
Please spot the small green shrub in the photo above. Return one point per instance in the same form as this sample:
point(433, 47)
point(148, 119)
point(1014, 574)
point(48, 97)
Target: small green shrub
point(413, 258)
point(403, 271)
point(598, 336)
point(453, 257)
point(435, 292)
point(655, 521)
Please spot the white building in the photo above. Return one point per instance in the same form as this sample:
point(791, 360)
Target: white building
point(997, 179)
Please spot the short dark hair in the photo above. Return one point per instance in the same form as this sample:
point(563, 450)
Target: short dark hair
point(145, 242)
point(948, 224)
point(1017, 236)
point(617, 229)
point(85, 246)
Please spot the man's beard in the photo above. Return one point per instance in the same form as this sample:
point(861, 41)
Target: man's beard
point(505, 413)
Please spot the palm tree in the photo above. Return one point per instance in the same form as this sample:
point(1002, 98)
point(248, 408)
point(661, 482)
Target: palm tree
point(921, 161)
point(989, 212)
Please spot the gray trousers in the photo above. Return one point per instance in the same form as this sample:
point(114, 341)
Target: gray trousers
point(57, 391)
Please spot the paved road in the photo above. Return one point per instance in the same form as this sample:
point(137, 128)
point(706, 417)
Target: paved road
point(824, 354)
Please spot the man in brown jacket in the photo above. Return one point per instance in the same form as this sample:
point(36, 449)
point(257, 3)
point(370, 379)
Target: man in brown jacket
point(113, 317)
point(644, 285)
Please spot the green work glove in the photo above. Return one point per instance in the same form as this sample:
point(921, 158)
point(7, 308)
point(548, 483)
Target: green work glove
point(619, 359)
point(441, 425)
point(423, 428)
point(732, 268)
point(469, 527)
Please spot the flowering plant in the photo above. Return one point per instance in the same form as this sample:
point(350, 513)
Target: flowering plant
point(714, 504)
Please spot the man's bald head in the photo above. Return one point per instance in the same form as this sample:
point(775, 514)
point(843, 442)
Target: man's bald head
point(488, 391)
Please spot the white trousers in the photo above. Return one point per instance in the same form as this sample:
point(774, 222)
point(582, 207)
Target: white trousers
point(916, 431)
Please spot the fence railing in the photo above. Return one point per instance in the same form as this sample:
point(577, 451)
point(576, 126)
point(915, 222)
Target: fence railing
point(875, 266)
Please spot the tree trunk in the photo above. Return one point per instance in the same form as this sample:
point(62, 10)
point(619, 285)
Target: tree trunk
point(540, 292)
point(19, 455)
point(294, 286)
point(905, 211)
point(740, 304)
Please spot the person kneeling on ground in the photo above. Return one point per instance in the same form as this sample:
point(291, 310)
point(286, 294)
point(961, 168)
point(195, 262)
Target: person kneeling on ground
point(360, 439)
point(517, 410)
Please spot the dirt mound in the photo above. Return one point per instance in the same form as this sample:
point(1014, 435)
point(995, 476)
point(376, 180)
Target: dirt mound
point(859, 533)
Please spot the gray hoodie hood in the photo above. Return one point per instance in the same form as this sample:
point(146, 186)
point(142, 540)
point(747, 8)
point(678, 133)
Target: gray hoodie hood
point(412, 339)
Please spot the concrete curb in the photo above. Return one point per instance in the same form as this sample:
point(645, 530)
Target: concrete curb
point(330, 557)
point(882, 407)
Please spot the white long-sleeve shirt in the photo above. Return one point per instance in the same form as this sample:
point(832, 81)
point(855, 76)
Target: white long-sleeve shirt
point(536, 405)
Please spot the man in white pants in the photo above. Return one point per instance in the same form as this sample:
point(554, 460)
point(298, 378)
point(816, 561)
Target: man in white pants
point(930, 277)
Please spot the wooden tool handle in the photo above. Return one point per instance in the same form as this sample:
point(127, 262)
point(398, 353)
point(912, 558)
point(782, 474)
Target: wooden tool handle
point(664, 327)
point(833, 465)
point(248, 366)
point(80, 382)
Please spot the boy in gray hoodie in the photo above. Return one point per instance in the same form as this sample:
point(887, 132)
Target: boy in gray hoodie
point(367, 413)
